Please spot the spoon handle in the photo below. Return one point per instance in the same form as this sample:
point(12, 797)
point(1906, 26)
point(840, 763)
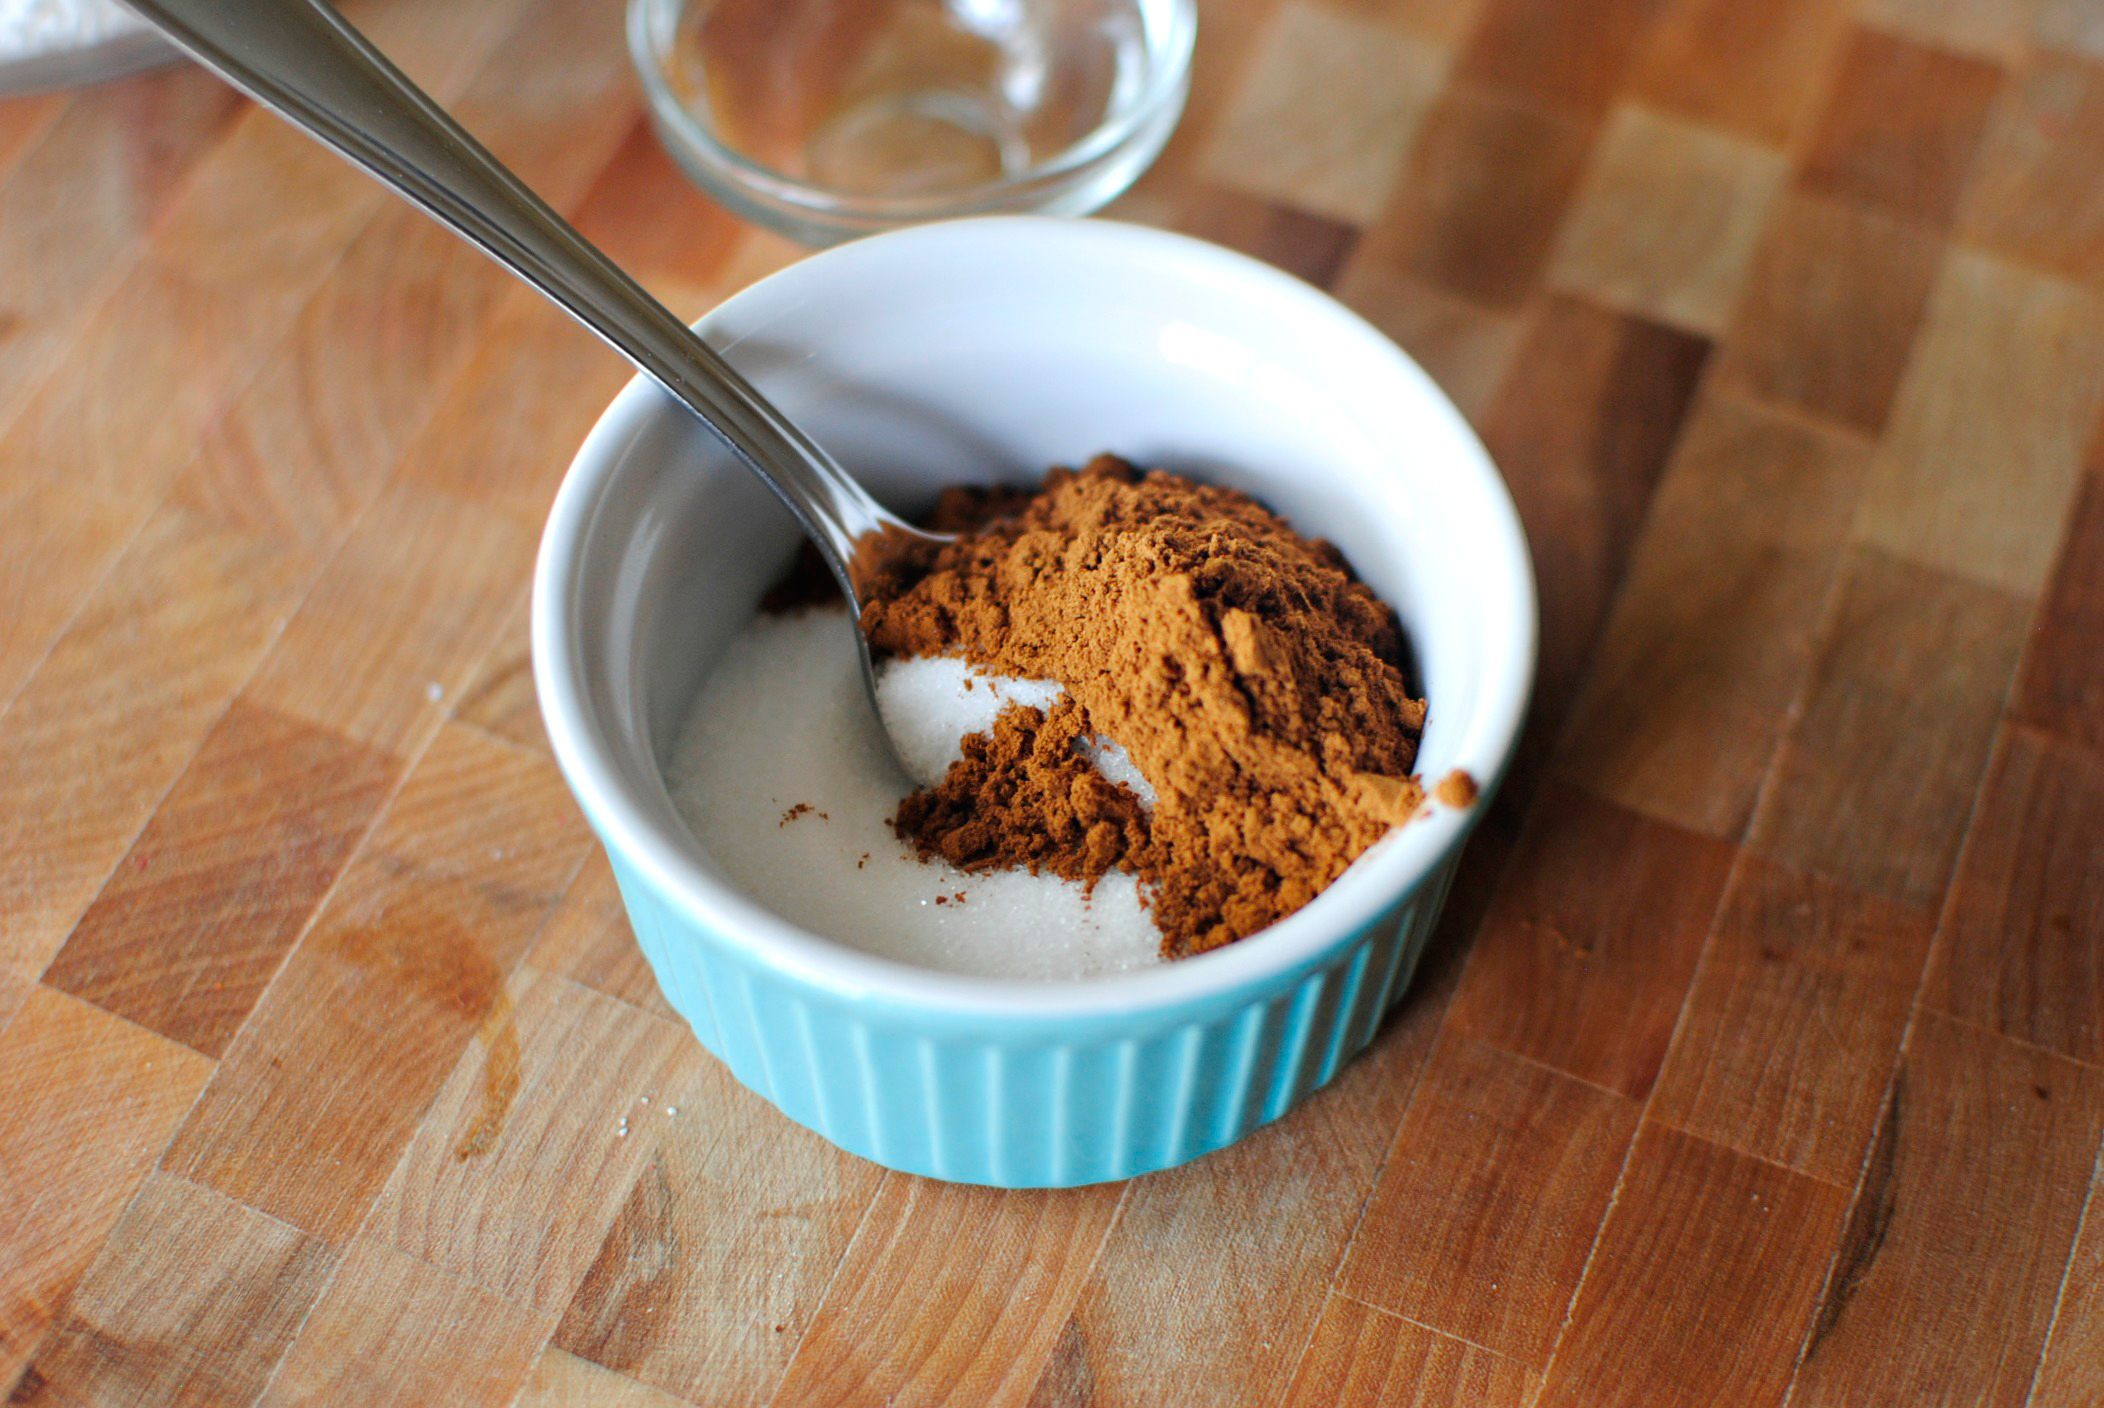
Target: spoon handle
point(302, 59)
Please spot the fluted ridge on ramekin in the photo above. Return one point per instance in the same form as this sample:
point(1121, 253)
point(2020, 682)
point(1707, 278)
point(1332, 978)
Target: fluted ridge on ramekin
point(1022, 1103)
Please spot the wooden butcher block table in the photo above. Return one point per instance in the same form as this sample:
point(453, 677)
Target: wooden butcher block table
point(1760, 1059)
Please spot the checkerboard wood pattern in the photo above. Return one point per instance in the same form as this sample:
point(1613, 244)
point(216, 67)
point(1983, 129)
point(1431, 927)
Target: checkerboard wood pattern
point(1761, 1056)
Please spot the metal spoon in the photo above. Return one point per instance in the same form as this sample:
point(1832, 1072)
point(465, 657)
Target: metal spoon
point(303, 60)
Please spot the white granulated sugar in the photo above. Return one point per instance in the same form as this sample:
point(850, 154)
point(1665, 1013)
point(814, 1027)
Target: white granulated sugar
point(1117, 765)
point(30, 27)
point(783, 726)
point(930, 702)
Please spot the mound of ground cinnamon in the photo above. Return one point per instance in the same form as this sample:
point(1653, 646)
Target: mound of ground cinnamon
point(1254, 681)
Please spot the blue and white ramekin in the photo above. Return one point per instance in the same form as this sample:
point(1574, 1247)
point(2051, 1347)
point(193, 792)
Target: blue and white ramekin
point(985, 350)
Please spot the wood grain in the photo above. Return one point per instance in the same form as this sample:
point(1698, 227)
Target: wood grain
point(2022, 944)
point(23, 120)
point(2036, 198)
point(103, 728)
point(588, 941)
point(500, 698)
point(394, 1330)
point(1704, 1282)
point(1585, 957)
point(1786, 1046)
point(230, 279)
point(163, 348)
point(2062, 684)
point(1482, 1221)
point(1323, 118)
point(1667, 220)
point(255, 232)
point(135, 1335)
point(505, 436)
point(315, 436)
point(2072, 1370)
point(200, 913)
point(1712, 637)
point(1979, 468)
point(14, 992)
point(1874, 785)
point(644, 212)
point(1995, 30)
point(47, 571)
point(1757, 70)
point(306, 449)
point(1466, 347)
point(560, 1379)
point(951, 1293)
point(1362, 1356)
point(91, 1099)
point(1831, 309)
point(399, 621)
point(1475, 211)
point(1900, 127)
point(101, 172)
point(1215, 1275)
point(1582, 427)
point(1941, 1290)
point(1570, 57)
point(1311, 247)
point(1446, 22)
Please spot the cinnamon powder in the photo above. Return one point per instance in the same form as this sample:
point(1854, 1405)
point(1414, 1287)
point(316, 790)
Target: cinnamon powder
point(1253, 680)
point(1024, 795)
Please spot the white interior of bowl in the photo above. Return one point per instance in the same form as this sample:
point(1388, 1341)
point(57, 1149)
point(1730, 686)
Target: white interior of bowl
point(986, 350)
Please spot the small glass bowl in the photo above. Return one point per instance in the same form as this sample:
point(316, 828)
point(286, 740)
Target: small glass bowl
point(828, 119)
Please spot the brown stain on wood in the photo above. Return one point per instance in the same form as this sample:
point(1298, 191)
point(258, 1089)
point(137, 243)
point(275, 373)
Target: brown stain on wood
point(439, 963)
point(625, 1301)
point(500, 1079)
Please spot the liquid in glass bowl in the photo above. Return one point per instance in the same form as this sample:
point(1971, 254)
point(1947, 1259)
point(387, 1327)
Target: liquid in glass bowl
point(831, 118)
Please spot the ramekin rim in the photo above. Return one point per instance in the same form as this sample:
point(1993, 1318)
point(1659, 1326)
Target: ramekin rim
point(1388, 875)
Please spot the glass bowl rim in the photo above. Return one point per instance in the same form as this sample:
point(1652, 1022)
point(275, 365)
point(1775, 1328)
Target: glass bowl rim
point(1165, 85)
